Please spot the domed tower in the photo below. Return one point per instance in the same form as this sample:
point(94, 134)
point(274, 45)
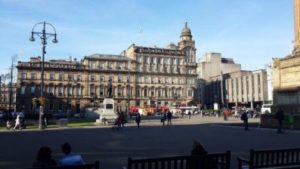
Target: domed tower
point(187, 44)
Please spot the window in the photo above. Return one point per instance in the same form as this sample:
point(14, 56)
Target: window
point(51, 90)
point(120, 79)
point(151, 68)
point(52, 76)
point(78, 91)
point(158, 61)
point(33, 76)
point(32, 90)
point(23, 75)
point(23, 88)
point(78, 77)
point(138, 94)
point(93, 65)
point(92, 90)
point(102, 78)
point(61, 77)
point(119, 67)
point(109, 65)
point(139, 58)
point(166, 92)
point(128, 79)
point(190, 93)
point(111, 78)
point(159, 68)
point(60, 90)
point(92, 78)
point(128, 91)
point(60, 107)
point(166, 61)
point(101, 90)
point(50, 106)
point(69, 90)
point(101, 66)
point(119, 91)
point(70, 76)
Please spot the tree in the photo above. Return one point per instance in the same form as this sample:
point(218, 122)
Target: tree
point(41, 101)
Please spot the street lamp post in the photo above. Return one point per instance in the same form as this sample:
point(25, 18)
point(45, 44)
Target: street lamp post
point(43, 36)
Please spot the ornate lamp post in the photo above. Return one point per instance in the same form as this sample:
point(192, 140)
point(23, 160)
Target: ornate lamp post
point(43, 35)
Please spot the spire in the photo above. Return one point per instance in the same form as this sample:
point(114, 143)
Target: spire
point(186, 25)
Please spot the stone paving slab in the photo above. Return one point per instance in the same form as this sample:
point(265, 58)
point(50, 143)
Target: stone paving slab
point(112, 147)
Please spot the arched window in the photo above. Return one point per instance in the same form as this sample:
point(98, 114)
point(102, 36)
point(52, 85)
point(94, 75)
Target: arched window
point(145, 92)
point(78, 90)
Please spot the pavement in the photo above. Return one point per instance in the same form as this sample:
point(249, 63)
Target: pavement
point(113, 147)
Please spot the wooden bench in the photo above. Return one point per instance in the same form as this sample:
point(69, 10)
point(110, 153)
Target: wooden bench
point(220, 161)
point(281, 158)
point(85, 166)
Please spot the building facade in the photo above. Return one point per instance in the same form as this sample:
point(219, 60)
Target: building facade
point(286, 73)
point(213, 64)
point(7, 97)
point(141, 76)
point(246, 88)
point(211, 67)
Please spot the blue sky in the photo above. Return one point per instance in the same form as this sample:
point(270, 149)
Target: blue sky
point(249, 31)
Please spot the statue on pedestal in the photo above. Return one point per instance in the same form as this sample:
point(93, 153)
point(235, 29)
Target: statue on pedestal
point(109, 89)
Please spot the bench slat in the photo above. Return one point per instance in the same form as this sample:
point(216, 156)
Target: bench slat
point(273, 158)
point(221, 160)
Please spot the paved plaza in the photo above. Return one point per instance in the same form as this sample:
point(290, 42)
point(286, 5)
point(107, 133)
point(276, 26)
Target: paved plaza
point(112, 148)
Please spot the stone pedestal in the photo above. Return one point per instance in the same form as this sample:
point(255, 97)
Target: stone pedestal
point(108, 114)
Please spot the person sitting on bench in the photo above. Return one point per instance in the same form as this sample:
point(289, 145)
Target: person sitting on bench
point(69, 158)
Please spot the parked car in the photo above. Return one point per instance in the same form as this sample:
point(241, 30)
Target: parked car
point(158, 114)
point(266, 108)
point(59, 115)
point(15, 114)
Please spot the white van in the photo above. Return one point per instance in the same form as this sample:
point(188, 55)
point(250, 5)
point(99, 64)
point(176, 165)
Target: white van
point(266, 108)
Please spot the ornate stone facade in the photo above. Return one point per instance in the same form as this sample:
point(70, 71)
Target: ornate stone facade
point(141, 76)
point(286, 73)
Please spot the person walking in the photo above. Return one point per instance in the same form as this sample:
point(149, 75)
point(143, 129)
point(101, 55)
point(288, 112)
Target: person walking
point(190, 114)
point(279, 117)
point(138, 119)
point(169, 117)
point(70, 159)
point(163, 118)
point(244, 118)
point(17, 123)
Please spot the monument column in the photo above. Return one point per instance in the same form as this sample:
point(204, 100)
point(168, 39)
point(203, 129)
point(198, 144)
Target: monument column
point(297, 24)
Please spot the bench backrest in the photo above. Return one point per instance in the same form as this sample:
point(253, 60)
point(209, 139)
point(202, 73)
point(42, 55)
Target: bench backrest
point(219, 160)
point(85, 166)
point(274, 158)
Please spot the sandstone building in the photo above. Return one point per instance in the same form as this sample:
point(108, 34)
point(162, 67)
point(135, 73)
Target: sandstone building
point(141, 76)
point(7, 92)
point(286, 73)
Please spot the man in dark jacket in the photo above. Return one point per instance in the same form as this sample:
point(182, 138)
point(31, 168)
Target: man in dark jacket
point(280, 117)
point(244, 117)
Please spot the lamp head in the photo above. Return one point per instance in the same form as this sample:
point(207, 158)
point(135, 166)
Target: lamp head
point(31, 38)
point(55, 39)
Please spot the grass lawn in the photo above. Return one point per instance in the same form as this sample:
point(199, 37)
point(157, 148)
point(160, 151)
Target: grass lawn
point(53, 124)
